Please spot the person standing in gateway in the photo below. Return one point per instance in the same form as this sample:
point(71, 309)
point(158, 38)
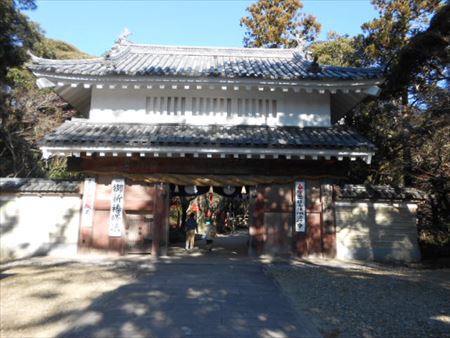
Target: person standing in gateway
point(210, 232)
point(191, 229)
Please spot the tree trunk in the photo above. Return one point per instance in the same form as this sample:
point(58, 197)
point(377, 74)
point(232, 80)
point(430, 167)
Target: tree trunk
point(406, 142)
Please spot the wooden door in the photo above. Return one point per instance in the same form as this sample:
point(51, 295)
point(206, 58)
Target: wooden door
point(138, 232)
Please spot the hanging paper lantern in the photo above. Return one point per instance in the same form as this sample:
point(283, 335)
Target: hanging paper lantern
point(243, 190)
point(190, 189)
point(229, 190)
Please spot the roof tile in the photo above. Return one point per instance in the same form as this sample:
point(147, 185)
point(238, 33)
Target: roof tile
point(83, 133)
point(377, 192)
point(266, 63)
point(38, 185)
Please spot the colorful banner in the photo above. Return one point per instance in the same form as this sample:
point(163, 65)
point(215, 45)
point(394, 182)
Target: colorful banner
point(87, 216)
point(300, 208)
point(116, 220)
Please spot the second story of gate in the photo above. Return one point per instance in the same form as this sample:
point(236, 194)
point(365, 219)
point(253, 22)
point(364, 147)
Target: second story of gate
point(136, 83)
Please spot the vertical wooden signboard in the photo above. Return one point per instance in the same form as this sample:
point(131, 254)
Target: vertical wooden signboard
point(88, 202)
point(116, 214)
point(300, 209)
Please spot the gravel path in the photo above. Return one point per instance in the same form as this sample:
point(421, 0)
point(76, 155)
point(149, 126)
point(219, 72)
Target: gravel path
point(356, 300)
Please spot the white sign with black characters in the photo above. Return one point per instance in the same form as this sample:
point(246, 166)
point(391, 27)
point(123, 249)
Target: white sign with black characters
point(116, 220)
point(87, 215)
point(300, 209)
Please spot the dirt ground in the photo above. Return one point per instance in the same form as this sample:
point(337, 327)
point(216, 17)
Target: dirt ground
point(43, 297)
point(368, 300)
point(40, 300)
point(135, 297)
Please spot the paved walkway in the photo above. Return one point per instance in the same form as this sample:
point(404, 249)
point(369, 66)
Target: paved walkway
point(223, 293)
point(231, 246)
point(216, 299)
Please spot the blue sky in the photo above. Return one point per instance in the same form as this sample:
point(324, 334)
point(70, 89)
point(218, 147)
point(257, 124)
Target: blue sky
point(92, 26)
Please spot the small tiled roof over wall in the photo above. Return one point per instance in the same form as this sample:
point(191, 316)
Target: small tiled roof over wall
point(377, 192)
point(38, 185)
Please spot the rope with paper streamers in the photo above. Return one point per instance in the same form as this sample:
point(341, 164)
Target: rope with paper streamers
point(210, 180)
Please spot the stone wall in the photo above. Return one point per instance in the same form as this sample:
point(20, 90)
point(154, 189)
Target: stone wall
point(376, 230)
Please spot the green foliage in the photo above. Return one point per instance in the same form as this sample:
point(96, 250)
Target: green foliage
point(337, 50)
point(17, 34)
point(398, 20)
point(410, 122)
point(278, 23)
point(57, 169)
point(27, 113)
point(17, 155)
point(424, 60)
point(20, 77)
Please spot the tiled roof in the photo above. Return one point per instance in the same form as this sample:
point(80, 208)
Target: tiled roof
point(38, 185)
point(377, 192)
point(82, 133)
point(126, 58)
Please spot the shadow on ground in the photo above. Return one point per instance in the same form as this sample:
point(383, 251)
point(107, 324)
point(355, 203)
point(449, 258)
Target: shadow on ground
point(208, 295)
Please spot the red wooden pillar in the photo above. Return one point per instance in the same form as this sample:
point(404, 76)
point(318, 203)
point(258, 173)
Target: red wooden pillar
point(310, 241)
point(160, 220)
point(320, 236)
point(100, 228)
point(278, 219)
point(300, 244)
point(257, 230)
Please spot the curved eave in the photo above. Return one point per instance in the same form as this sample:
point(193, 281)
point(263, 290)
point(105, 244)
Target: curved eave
point(342, 103)
point(148, 79)
point(210, 152)
point(79, 97)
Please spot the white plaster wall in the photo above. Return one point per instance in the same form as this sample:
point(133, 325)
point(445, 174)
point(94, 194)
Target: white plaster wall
point(376, 231)
point(130, 105)
point(32, 225)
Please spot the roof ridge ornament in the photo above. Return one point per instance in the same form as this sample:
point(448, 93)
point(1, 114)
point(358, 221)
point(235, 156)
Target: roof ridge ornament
point(122, 40)
point(32, 56)
point(123, 37)
point(300, 50)
point(303, 54)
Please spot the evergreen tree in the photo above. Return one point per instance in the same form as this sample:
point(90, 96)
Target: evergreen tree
point(278, 23)
point(17, 34)
point(398, 21)
point(410, 122)
point(337, 50)
point(27, 113)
